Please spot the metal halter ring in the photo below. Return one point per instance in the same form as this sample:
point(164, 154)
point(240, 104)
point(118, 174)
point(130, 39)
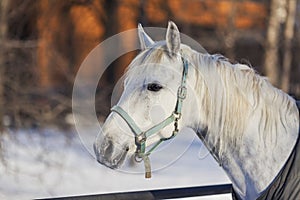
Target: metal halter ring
point(138, 158)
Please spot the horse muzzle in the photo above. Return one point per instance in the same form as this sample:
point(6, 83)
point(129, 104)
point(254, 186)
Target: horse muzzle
point(109, 154)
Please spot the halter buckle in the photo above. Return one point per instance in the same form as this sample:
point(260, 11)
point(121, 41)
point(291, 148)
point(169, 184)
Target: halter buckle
point(181, 93)
point(176, 115)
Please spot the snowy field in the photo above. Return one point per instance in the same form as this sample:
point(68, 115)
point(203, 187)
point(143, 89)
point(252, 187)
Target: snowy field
point(46, 163)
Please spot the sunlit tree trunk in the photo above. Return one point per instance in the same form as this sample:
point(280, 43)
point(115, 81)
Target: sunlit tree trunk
point(230, 31)
point(288, 36)
point(55, 49)
point(45, 26)
point(128, 14)
point(3, 34)
point(277, 16)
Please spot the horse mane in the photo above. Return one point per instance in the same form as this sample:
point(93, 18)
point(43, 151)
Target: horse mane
point(236, 94)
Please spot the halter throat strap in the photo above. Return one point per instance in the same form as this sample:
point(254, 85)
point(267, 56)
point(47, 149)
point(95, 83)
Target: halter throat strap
point(141, 136)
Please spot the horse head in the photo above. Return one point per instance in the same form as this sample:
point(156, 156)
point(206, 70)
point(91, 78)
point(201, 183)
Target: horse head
point(150, 107)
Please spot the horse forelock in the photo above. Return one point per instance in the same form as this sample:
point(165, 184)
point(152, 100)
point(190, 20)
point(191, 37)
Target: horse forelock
point(155, 53)
point(143, 63)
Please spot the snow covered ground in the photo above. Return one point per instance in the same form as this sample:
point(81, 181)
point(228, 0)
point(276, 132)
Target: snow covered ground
point(45, 163)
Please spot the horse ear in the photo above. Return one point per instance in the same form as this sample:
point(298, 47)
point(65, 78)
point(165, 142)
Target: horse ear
point(173, 38)
point(145, 40)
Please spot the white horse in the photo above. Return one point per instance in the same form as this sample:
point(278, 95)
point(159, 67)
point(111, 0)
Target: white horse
point(249, 126)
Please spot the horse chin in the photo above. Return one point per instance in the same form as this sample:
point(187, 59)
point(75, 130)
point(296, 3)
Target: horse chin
point(110, 155)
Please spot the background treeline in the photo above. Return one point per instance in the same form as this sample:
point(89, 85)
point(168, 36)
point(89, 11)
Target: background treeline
point(43, 43)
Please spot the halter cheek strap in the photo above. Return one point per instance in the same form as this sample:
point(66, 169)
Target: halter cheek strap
point(141, 136)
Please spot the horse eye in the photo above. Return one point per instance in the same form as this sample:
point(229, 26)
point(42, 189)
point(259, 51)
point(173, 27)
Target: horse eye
point(154, 87)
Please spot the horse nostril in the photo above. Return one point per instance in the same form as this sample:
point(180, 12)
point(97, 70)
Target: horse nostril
point(127, 149)
point(115, 161)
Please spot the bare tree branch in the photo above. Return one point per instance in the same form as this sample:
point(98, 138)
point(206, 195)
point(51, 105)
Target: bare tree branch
point(20, 44)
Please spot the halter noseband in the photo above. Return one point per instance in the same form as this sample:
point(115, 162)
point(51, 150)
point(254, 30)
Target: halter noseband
point(141, 136)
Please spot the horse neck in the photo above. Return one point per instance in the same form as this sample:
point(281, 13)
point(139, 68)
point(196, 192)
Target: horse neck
point(250, 126)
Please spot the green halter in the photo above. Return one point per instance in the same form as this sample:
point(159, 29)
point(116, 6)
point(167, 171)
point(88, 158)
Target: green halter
point(141, 136)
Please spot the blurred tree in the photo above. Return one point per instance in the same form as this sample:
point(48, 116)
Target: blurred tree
point(229, 32)
point(54, 53)
point(276, 18)
point(128, 14)
point(3, 37)
point(288, 37)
